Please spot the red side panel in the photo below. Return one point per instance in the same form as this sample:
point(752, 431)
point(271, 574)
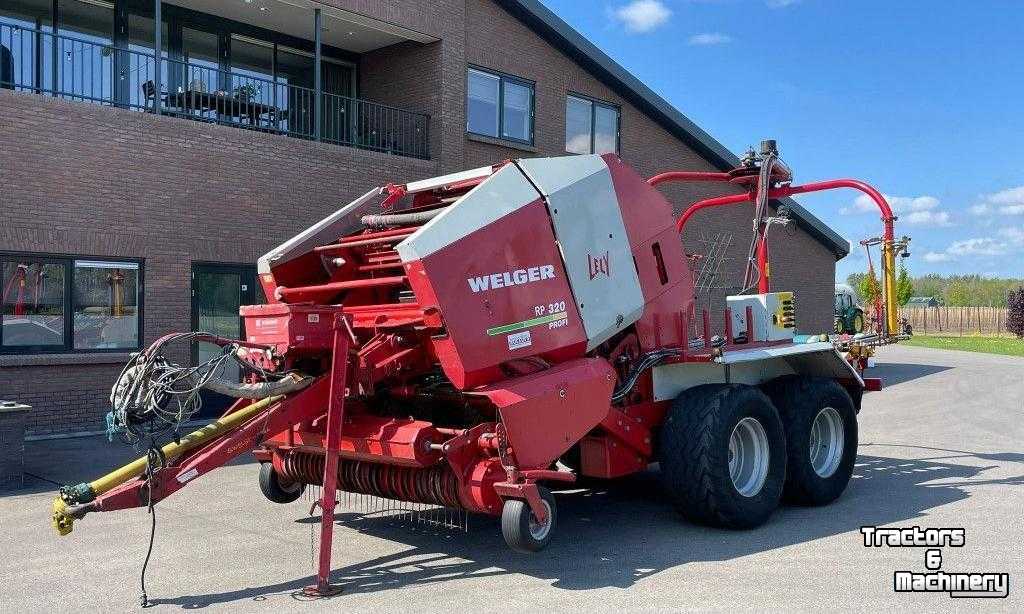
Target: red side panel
point(665, 276)
point(546, 413)
point(503, 294)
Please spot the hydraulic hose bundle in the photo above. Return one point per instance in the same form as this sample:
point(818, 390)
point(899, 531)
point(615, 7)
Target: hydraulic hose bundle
point(154, 396)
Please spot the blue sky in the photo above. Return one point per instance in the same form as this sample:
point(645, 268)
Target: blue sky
point(924, 100)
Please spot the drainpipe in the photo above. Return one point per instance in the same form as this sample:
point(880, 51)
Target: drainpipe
point(318, 78)
point(158, 47)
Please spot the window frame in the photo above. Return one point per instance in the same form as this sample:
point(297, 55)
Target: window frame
point(67, 261)
point(502, 79)
point(594, 104)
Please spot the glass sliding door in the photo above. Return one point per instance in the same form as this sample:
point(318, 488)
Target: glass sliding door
point(25, 56)
point(218, 290)
point(85, 62)
point(339, 119)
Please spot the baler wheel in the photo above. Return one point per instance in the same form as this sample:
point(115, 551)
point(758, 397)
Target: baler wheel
point(723, 455)
point(520, 528)
point(821, 437)
point(277, 489)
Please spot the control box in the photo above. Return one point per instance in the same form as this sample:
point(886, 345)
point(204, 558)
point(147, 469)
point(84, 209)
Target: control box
point(773, 316)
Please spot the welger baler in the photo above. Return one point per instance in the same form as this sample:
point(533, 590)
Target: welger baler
point(463, 342)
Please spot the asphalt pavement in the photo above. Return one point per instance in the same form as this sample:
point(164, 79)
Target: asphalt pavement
point(941, 446)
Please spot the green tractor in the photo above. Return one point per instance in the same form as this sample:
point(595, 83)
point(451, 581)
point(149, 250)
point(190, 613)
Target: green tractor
point(849, 315)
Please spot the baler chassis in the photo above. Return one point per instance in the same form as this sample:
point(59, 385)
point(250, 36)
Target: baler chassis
point(464, 341)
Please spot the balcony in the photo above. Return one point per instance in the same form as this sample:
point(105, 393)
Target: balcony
point(266, 86)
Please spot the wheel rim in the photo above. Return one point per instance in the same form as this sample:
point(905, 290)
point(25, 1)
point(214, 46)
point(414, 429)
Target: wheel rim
point(748, 456)
point(826, 445)
point(540, 530)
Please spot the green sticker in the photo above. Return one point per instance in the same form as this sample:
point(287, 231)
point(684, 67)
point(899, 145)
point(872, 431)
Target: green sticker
point(508, 328)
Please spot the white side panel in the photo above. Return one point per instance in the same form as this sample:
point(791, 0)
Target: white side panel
point(500, 194)
point(435, 182)
point(325, 231)
point(588, 225)
point(754, 366)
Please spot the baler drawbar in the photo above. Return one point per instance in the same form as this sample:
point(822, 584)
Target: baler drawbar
point(471, 340)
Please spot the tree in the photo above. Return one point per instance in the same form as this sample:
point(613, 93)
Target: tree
point(868, 287)
point(904, 286)
point(958, 293)
point(1015, 312)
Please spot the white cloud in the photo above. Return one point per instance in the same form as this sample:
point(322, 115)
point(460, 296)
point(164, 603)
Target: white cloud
point(780, 4)
point(926, 218)
point(642, 15)
point(983, 246)
point(980, 246)
point(1013, 234)
point(1012, 196)
point(913, 210)
point(899, 204)
point(710, 38)
point(937, 257)
point(1006, 202)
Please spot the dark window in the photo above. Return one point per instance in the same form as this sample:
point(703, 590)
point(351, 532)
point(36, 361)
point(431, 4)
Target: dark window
point(69, 304)
point(590, 126)
point(499, 106)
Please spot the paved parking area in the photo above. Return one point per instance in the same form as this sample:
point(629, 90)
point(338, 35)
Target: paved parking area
point(941, 446)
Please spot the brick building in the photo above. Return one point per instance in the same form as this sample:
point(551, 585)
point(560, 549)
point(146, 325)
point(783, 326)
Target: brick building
point(136, 191)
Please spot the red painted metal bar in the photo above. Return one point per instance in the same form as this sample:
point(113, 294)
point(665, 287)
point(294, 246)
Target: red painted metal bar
point(887, 216)
point(313, 293)
point(335, 422)
point(394, 232)
point(672, 176)
point(718, 201)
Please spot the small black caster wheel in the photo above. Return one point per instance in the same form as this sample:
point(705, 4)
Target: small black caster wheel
point(522, 531)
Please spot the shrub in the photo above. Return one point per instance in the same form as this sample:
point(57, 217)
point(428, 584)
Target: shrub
point(1015, 312)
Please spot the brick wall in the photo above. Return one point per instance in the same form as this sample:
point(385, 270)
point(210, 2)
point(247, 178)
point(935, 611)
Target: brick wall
point(84, 179)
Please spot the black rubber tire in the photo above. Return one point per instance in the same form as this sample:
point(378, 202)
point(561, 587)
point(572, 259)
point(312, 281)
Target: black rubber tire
point(858, 322)
point(277, 490)
point(515, 523)
point(694, 454)
point(799, 399)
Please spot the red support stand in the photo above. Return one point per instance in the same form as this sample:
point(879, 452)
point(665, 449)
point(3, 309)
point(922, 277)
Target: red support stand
point(335, 420)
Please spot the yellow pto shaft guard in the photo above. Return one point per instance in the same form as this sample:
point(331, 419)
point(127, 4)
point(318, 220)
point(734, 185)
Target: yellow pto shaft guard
point(67, 509)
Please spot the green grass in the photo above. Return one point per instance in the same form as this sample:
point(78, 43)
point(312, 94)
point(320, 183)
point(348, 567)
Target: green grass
point(1010, 346)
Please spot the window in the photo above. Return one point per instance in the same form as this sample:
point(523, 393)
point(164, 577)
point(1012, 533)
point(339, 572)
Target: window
point(67, 304)
point(499, 106)
point(590, 126)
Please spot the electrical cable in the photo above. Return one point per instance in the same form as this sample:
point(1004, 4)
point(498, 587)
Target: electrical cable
point(763, 186)
point(153, 396)
point(154, 460)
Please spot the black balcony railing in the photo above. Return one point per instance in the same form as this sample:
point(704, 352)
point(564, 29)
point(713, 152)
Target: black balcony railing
point(94, 71)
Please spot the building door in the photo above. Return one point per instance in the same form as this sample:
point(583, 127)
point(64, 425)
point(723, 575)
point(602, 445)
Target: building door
point(218, 290)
